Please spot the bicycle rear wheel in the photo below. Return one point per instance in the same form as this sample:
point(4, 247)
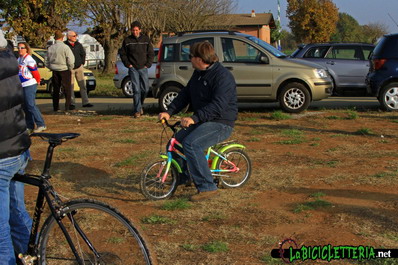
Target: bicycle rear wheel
point(110, 237)
point(151, 181)
point(238, 177)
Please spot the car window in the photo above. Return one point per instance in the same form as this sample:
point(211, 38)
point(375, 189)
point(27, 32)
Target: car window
point(155, 59)
point(169, 52)
point(186, 46)
point(346, 52)
point(367, 50)
point(39, 62)
point(42, 53)
point(239, 51)
point(316, 52)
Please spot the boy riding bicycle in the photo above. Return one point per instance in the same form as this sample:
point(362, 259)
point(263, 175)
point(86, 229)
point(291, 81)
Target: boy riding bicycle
point(211, 93)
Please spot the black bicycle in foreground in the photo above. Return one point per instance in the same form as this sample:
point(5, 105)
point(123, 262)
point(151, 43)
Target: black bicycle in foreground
point(81, 231)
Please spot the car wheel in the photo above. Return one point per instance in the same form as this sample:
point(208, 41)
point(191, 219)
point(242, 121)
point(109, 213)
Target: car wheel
point(127, 88)
point(388, 97)
point(294, 98)
point(167, 96)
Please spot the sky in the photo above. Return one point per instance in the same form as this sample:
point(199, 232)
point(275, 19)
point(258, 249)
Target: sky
point(364, 11)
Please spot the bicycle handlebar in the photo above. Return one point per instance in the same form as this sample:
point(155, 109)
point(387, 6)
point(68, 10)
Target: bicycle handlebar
point(171, 126)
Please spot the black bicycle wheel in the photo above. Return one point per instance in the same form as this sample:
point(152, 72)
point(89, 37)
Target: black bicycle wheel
point(151, 181)
point(238, 158)
point(110, 237)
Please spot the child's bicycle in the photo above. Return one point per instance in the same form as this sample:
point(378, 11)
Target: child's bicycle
point(81, 231)
point(228, 162)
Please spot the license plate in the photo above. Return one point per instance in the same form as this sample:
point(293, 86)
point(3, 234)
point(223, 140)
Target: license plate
point(91, 83)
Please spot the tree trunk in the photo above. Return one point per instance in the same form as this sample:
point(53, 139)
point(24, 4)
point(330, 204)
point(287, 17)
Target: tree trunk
point(110, 50)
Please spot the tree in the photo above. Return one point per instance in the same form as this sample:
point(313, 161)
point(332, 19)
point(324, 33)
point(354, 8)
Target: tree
point(312, 20)
point(111, 19)
point(373, 31)
point(288, 41)
point(276, 33)
point(347, 29)
point(36, 20)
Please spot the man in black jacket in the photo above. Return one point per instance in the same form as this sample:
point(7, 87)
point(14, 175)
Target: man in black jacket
point(137, 55)
point(78, 71)
point(211, 92)
point(15, 223)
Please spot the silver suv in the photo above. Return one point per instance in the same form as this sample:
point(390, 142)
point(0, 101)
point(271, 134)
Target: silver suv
point(262, 73)
point(347, 63)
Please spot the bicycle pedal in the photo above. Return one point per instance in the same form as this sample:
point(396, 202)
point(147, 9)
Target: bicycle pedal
point(27, 260)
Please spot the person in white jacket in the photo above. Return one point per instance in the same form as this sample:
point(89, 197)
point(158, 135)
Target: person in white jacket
point(61, 61)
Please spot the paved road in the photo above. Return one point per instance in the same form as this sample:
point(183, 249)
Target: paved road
point(125, 104)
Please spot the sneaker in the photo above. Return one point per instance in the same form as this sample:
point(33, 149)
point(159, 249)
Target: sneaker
point(72, 107)
point(88, 105)
point(137, 115)
point(204, 195)
point(30, 131)
point(40, 129)
point(142, 112)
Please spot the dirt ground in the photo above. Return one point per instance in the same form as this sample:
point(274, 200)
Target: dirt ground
point(322, 177)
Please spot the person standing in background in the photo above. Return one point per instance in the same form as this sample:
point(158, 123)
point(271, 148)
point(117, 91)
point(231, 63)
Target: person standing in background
point(61, 61)
point(137, 55)
point(78, 70)
point(30, 77)
point(15, 222)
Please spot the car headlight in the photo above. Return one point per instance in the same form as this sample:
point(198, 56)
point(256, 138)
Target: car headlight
point(321, 73)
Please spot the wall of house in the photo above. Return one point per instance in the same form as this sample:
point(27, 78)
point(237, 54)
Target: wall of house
point(261, 32)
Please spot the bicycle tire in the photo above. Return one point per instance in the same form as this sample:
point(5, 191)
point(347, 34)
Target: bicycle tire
point(150, 183)
point(114, 237)
point(242, 161)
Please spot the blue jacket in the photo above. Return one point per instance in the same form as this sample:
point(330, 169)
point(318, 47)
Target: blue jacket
point(211, 94)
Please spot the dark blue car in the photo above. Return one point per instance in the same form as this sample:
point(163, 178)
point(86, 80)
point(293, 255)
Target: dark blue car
point(382, 80)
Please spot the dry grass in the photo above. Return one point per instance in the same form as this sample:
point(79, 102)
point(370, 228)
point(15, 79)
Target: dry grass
point(356, 172)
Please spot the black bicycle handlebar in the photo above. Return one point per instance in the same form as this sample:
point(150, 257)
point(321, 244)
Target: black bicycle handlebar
point(171, 126)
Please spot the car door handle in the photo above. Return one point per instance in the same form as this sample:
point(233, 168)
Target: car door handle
point(229, 68)
point(330, 62)
point(183, 67)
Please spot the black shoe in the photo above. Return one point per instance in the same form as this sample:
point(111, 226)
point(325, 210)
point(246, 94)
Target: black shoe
point(72, 107)
point(88, 105)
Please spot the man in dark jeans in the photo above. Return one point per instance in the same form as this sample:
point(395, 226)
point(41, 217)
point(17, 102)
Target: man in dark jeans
point(78, 71)
point(61, 61)
point(211, 92)
point(137, 55)
point(15, 223)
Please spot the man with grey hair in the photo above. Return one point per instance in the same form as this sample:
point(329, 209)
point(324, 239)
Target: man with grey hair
point(61, 61)
point(78, 70)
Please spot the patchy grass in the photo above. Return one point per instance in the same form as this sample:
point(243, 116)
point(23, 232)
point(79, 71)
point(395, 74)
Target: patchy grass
point(157, 219)
point(215, 247)
point(280, 115)
point(178, 204)
point(364, 131)
point(312, 205)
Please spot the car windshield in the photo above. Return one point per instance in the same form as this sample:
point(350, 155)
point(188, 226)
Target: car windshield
point(42, 53)
point(267, 46)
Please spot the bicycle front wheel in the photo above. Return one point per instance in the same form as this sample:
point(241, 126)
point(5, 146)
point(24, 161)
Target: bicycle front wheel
point(152, 184)
point(100, 235)
point(235, 170)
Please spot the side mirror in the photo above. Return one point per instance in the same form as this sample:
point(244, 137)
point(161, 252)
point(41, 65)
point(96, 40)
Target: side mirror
point(264, 59)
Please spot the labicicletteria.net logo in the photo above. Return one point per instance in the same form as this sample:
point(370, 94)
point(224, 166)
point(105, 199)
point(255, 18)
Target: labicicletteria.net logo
point(289, 252)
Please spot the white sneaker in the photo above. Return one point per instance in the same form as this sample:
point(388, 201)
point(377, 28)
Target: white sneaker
point(40, 129)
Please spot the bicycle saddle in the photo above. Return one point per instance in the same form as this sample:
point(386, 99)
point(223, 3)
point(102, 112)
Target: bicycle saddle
point(56, 138)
